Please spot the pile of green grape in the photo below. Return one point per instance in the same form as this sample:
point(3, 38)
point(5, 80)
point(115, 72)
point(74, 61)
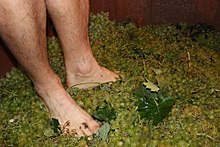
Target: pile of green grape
point(189, 71)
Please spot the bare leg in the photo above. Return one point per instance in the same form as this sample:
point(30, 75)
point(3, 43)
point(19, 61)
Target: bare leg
point(22, 27)
point(71, 21)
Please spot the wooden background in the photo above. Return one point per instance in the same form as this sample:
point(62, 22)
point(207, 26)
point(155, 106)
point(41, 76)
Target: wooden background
point(144, 12)
point(161, 11)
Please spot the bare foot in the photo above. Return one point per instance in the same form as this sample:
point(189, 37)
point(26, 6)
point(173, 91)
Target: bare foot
point(89, 76)
point(65, 109)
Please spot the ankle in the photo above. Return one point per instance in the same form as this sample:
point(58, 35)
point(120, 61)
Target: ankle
point(48, 86)
point(84, 68)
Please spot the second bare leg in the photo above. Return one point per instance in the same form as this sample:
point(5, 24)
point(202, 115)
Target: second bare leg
point(71, 22)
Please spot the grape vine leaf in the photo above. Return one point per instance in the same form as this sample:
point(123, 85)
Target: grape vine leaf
point(153, 105)
point(103, 131)
point(55, 125)
point(151, 86)
point(54, 130)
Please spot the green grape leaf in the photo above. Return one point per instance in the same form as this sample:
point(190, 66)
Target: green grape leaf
point(54, 130)
point(55, 125)
point(106, 113)
point(153, 105)
point(142, 92)
point(151, 86)
point(103, 131)
point(165, 107)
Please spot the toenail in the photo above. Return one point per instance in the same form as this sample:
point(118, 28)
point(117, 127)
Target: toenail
point(85, 125)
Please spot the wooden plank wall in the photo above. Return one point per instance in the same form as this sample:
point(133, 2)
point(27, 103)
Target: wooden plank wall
point(161, 11)
point(144, 12)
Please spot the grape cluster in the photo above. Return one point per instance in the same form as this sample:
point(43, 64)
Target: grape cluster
point(189, 71)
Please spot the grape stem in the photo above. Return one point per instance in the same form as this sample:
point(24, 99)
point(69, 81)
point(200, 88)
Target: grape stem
point(206, 135)
point(8, 92)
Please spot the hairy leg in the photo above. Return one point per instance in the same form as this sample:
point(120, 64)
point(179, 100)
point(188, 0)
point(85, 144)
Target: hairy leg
point(22, 27)
point(71, 22)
